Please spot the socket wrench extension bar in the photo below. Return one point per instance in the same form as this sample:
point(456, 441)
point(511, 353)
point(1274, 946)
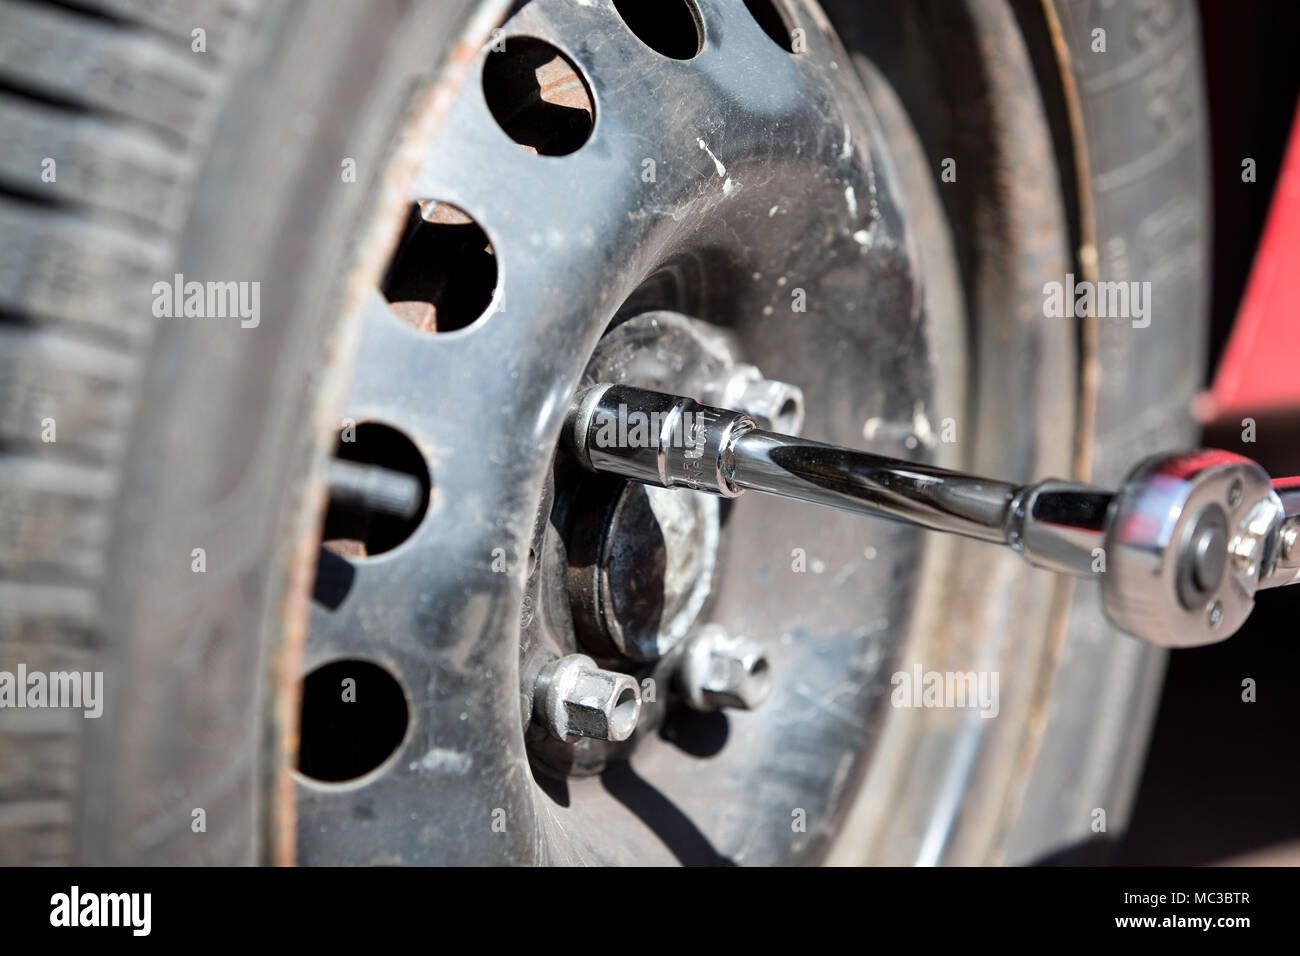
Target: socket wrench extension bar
point(1179, 550)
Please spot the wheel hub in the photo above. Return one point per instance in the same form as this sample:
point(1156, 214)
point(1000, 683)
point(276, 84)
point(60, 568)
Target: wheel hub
point(641, 568)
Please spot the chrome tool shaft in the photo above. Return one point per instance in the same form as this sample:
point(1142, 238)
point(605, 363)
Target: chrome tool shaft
point(677, 442)
point(1181, 548)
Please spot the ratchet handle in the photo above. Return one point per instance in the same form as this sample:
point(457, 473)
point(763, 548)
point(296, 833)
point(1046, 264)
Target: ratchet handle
point(1187, 540)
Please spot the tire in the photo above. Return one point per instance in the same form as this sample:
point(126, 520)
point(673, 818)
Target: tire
point(173, 436)
point(1146, 169)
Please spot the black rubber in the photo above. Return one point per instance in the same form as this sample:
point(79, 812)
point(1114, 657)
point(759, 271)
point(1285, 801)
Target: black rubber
point(172, 435)
point(1146, 136)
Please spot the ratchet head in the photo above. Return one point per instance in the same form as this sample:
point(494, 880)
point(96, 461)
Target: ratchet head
point(1190, 538)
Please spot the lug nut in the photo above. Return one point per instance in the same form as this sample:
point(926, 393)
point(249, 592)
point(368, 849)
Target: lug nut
point(719, 671)
point(575, 698)
point(775, 405)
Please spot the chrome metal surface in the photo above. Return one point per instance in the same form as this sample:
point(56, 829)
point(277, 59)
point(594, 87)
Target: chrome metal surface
point(1053, 524)
point(1287, 569)
point(872, 485)
point(1060, 526)
point(776, 406)
point(1180, 549)
point(1157, 569)
point(575, 698)
point(666, 440)
point(719, 671)
point(1205, 556)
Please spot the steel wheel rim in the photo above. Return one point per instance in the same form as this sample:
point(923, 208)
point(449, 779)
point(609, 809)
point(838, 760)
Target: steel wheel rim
point(445, 622)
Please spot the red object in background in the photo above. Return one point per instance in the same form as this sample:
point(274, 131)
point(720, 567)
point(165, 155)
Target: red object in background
point(1260, 368)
